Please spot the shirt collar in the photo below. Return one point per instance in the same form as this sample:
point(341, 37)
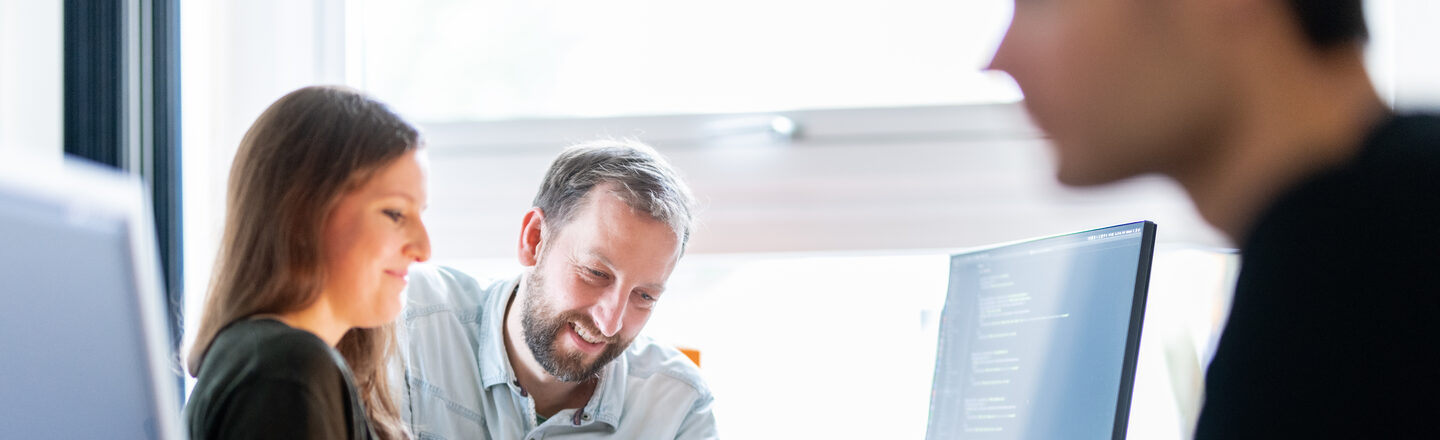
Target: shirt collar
point(491, 356)
point(609, 397)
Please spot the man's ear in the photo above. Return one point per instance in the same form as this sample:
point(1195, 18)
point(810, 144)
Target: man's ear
point(531, 231)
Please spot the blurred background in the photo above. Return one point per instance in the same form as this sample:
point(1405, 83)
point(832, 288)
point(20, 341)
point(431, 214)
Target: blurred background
point(840, 150)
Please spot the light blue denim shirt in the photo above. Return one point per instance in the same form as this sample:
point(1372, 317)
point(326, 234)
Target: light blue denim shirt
point(453, 379)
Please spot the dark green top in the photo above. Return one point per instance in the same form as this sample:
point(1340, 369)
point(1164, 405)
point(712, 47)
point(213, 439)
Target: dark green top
point(262, 379)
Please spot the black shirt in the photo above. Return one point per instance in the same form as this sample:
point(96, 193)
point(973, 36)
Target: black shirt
point(262, 379)
point(1334, 331)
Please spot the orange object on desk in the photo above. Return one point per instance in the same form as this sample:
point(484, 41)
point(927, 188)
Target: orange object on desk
point(691, 353)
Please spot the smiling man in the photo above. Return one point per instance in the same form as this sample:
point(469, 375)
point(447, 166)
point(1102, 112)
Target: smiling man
point(557, 351)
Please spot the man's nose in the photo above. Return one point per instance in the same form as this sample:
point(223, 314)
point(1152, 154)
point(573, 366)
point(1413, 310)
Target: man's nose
point(609, 311)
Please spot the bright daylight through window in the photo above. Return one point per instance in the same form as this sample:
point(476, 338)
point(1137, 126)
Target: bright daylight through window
point(449, 60)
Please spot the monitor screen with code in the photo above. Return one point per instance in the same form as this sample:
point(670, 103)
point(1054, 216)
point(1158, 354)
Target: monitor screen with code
point(1039, 339)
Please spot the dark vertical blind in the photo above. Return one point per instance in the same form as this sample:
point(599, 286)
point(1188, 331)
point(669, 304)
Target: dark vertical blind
point(96, 113)
point(94, 89)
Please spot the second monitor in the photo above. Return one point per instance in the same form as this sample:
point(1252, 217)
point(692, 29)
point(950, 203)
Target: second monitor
point(1038, 340)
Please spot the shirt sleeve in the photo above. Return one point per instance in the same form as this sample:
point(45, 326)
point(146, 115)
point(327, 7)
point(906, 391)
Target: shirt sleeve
point(282, 409)
point(700, 423)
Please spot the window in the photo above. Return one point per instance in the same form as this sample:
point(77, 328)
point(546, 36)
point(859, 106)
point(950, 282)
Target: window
point(30, 77)
point(449, 60)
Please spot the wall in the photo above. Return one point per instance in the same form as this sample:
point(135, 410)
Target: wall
point(919, 178)
point(30, 76)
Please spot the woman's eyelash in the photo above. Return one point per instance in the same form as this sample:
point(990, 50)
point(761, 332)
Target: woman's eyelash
point(393, 214)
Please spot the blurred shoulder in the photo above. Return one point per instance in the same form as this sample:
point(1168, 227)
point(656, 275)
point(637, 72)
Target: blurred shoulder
point(1406, 144)
point(266, 348)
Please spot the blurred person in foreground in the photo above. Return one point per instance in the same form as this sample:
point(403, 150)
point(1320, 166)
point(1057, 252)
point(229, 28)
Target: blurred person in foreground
point(1263, 112)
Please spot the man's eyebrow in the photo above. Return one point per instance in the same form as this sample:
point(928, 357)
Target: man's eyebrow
point(598, 256)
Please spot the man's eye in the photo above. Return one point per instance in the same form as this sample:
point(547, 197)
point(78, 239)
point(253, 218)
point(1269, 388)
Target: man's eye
point(598, 274)
point(647, 297)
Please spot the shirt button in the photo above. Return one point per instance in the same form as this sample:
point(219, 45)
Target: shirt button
point(585, 417)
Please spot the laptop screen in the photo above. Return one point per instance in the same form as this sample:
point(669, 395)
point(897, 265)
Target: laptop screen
point(1038, 340)
point(81, 326)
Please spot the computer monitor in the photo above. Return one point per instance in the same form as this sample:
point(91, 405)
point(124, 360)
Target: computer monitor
point(1038, 340)
point(82, 346)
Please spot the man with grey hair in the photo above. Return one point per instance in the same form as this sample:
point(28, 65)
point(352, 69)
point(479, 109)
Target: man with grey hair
point(556, 351)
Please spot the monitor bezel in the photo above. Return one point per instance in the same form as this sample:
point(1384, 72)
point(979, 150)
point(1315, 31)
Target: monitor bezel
point(1132, 339)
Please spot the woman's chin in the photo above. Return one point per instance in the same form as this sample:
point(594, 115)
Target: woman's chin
point(380, 314)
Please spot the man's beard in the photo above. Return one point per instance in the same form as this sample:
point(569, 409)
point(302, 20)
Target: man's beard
point(542, 327)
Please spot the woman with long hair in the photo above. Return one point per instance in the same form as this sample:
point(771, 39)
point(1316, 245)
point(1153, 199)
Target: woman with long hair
point(323, 222)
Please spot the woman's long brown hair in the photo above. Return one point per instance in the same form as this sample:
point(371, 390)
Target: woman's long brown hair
point(293, 165)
